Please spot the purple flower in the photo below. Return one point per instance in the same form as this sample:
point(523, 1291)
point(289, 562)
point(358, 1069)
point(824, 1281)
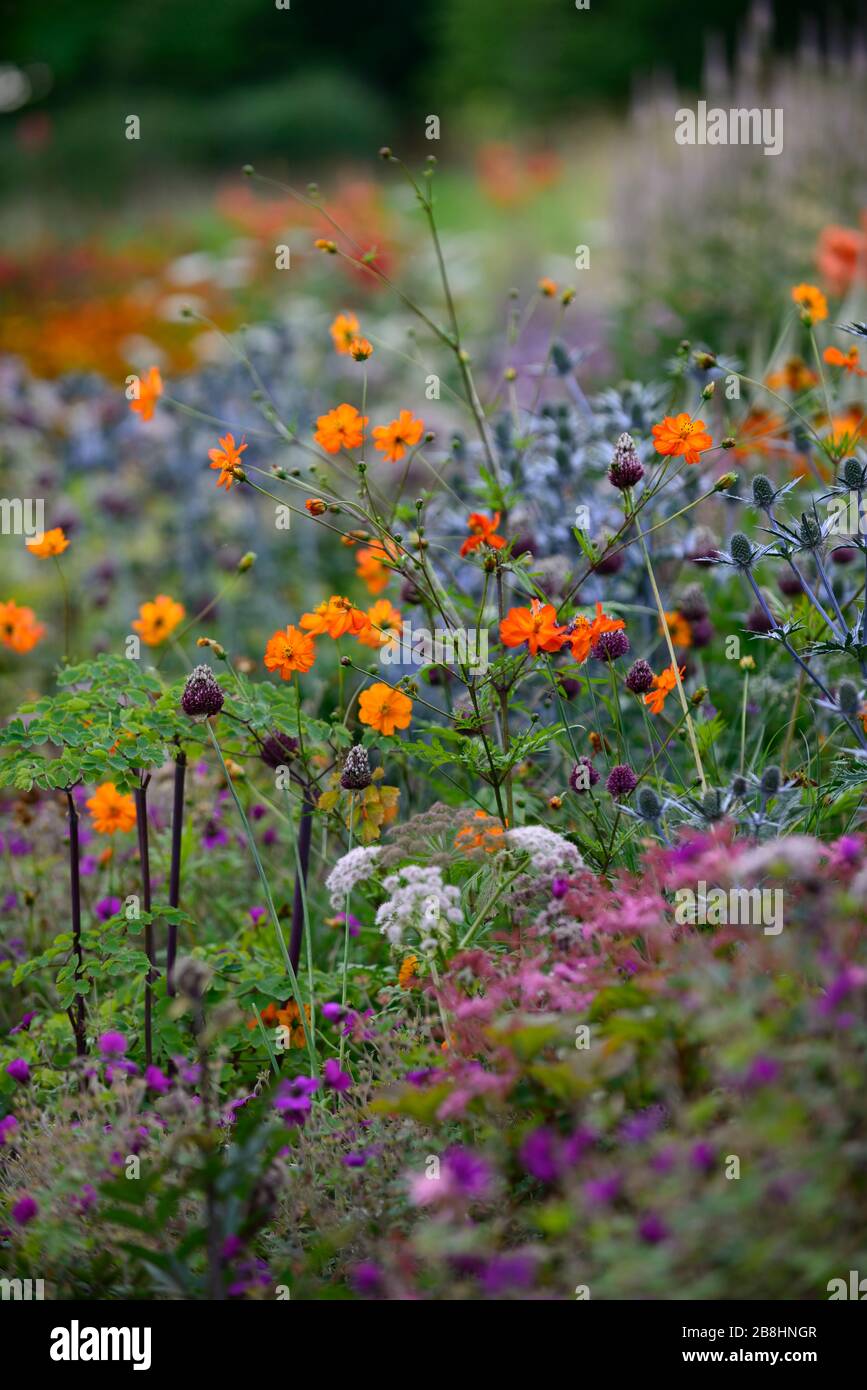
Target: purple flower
point(214, 835)
point(292, 1100)
point(583, 776)
point(626, 467)
point(702, 1157)
point(336, 1079)
point(333, 1013)
point(107, 907)
point(639, 678)
point(7, 1125)
point(257, 913)
point(538, 1154)
point(652, 1229)
point(10, 902)
point(202, 696)
point(157, 1080)
point(621, 780)
point(19, 1071)
point(24, 1210)
point(762, 1071)
point(560, 887)
point(232, 1246)
point(467, 1173)
point(356, 1160)
point(506, 1272)
point(637, 1129)
point(88, 865)
point(367, 1278)
point(24, 1025)
point(600, 1191)
point(611, 645)
point(111, 1044)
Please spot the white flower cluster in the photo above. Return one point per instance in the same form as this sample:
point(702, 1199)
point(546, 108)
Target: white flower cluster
point(419, 901)
point(549, 852)
point(349, 870)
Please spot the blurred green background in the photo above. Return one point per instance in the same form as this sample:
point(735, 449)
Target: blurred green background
point(217, 82)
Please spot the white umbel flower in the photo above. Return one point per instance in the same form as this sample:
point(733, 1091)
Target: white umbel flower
point(352, 868)
point(549, 852)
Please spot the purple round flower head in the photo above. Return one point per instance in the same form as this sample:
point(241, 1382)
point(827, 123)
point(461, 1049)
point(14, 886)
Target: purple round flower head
point(639, 678)
point(758, 621)
point(626, 468)
point(355, 776)
point(610, 564)
point(7, 1125)
point(762, 1071)
point(257, 913)
point(652, 1229)
point(568, 687)
point(355, 1160)
point(278, 749)
point(292, 1100)
point(24, 1210)
point(789, 584)
point(467, 1173)
point(107, 907)
point(538, 1154)
point(508, 1272)
point(702, 1157)
point(367, 1278)
point(157, 1080)
point(19, 1071)
point(583, 776)
point(692, 603)
point(621, 780)
point(24, 1025)
point(559, 887)
point(333, 1012)
point(844, 554)
point(336, 1079)
point(611, 645)
point(111, 1044)
point(702, 631)
point(202, 696)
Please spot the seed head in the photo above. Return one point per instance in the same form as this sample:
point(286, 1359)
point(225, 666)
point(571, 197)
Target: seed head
point(763, 492)
point(640, 678)
point(741, 550)
point(626, 467)
point(847, 697)
point(202, 695)
point(355, 776)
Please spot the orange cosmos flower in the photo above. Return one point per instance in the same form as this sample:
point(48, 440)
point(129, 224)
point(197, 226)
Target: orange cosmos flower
point(288, 651)
point(19, 629)
point(681, 435)
point(839, 257)
point(372, 567)
point(582, 635)
point(227, 458)
point(316, 506)
point(111, 810)
point(536, 625)
point(795, 375)
point(482, 532)
point(383, 622)
point(547, 287)
point(360, 349)
point(149, 391)
point(53, 542)
point(663, 685)
point(395, 438)
point(679, 628)
point(484, 837)
point(343, 330)
point(341, 428)
point(811, 302)
point(158, 619)
point(384, 709)
point(335, 618)
point(847, 360)
point(760, 434)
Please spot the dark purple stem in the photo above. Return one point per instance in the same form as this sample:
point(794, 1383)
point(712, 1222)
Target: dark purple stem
point(78, 1010)
point(305, 830)
point(141, 810)
point(175, 870)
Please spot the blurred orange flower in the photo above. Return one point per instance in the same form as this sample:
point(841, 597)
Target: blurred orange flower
point(811, 301)
point(372, 567)
point(111, 810)
point(383, 622)
point(681, 435)
point(547, 287)
point(536, 625)
point(486, 837)
point(408, 974)
point(360, 349)
point(341, 428)
point(290, 650)
point(847, 360)
point(679, 628)
point(795, 375)
point(582, 635)
point(344, 328)
point(663, 684)
point(384, 709)
point(53, 542)
point(395, 438)
point(150, 390)
point(841, 254)
point(19, 629)
point(227, 458)
point(158, 619)
point(482, 532)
